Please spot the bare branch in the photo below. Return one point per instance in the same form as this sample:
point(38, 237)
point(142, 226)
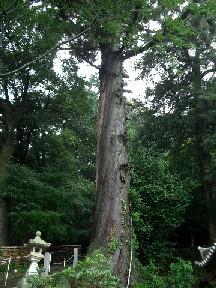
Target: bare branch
point(44, 54)
point(17, 18)
point(124, 75)
point(91, 64)
point(82, 54)
point(212, 70)
point(127, 91)
point(10, 9)
point(65, 49)
point(141, 49)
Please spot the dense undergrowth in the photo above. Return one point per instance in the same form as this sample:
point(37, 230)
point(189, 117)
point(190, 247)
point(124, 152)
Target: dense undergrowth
point(94, 272)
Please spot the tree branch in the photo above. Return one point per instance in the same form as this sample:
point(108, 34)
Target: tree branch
point(140, 50)
point(10, 9)
point(91, 64)
point(44, 54)
point(82, 56)
point(5, 87)
point(212, 70)
point(154, 41)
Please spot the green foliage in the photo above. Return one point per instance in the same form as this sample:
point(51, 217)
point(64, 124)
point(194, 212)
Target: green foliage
point(93, 271)
point(26, 28)
point(56, 202)
point(17, 266)
point(212, 283)
point(159, 199)
point(44, 281)
point(53, 186)
point(179, 275)
point(151, 278)
point(181, 121)
point(58, 191)
point(113, 245)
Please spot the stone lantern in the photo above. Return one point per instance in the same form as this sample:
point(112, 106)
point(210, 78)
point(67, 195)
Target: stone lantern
point(37, 246)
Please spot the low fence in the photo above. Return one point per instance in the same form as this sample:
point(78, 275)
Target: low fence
point(61, 254)
point(65, 254)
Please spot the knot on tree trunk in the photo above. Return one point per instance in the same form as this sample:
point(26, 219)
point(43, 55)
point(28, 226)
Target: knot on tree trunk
point(124, 172)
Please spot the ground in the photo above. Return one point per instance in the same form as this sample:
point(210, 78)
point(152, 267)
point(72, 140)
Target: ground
point(13, 277)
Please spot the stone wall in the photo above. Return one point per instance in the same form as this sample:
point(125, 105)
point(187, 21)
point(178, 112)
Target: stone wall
point(13, 251)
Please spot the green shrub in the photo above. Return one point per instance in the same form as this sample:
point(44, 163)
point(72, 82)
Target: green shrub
point(180, 275)
point(44, 281)
point(93, 271)
point(149, 277)
point(212, 283)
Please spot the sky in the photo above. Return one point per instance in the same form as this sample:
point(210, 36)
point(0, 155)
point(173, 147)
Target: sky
point(137, 87)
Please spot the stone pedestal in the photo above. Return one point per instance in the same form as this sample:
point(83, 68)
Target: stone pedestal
point(34, 258)
point(37, 245)
point(47, 261)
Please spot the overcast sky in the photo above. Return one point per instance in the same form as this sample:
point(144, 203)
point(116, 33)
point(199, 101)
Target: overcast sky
point(137, 87)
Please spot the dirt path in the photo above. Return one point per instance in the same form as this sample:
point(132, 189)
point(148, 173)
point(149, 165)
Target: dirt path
point(11, 281)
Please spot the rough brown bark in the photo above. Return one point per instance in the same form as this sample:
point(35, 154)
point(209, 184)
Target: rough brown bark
point(6, 152)
point(111, 221)
point(3, 222)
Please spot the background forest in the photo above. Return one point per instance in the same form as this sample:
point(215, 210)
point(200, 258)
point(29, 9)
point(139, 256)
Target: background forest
point(48, 123)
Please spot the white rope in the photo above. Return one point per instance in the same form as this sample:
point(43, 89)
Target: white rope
point(131, 255)
point(8, 267)
point(65, 260)
point(9, 262)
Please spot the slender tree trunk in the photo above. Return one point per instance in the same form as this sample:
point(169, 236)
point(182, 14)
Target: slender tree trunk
point(111, 219)
point(210, 199)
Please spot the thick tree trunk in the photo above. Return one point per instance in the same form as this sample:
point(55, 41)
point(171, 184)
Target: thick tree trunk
point(3, 222)
point(5, 157)
point(112, 232)
point(6, 152)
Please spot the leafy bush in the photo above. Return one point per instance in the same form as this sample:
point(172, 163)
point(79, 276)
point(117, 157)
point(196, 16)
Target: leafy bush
point(93, 271)
point(159, 200)
point(149, 277)
point(179, 275)
point(44, 281)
